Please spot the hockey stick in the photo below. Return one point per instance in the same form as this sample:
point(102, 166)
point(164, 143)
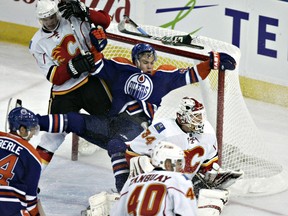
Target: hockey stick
point(177, 40)
point(40, 208)
point(76, 37)
point(12, 103)
point(82, 51)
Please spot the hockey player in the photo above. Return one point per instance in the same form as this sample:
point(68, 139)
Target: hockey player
point(55, 46)
point(20, 165)
point(190, 131)
point(162, 191)
point(137, 91)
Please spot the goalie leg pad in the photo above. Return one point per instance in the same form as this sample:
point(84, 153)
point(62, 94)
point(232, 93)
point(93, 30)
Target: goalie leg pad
point(101, 203)
point(212, 201)
point(98, 205)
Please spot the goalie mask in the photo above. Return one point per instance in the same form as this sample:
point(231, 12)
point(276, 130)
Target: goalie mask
point(48, 14)
point(168, 156)
point(191, 115)
point(140, 49)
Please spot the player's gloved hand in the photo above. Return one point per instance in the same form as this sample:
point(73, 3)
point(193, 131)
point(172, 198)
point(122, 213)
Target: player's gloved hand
point(98, 38)
point(140, 164)
point(221, 61)
point(73, 8)
point(81, 64)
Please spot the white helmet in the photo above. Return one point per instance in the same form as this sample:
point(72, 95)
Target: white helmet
point(46, 8)
point(191, 115)
point(48, 14)
point(168, 156)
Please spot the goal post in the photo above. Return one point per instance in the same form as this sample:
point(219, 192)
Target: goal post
point(240, 146)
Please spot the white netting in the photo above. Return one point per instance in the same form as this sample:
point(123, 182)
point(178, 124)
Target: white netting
point(242, 146)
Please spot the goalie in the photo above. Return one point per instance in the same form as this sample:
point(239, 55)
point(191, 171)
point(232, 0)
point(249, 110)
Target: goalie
point(195, 135)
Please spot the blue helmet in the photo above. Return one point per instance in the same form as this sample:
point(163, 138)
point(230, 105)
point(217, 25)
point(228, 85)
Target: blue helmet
point(141, 48)
point(20, 116)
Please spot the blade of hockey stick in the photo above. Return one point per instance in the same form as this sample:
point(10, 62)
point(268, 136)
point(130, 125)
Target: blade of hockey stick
point(12, 103)
point(40, 208)
point(177, 40)
point(126, 18)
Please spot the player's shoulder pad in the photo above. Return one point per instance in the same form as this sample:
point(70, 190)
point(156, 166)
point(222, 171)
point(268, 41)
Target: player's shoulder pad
point(122, 60)
point(167, 68)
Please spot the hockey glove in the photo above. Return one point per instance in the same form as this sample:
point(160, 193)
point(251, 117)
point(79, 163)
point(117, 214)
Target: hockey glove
point(80, 64)
point(221, 61)
point(140, 164)
point(73, 8)
point(220, 178)
point(98, 38)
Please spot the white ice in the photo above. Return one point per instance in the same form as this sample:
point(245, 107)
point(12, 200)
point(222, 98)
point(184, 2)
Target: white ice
point(66, 185)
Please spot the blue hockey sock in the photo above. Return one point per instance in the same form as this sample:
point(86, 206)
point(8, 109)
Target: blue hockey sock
point(116, 150)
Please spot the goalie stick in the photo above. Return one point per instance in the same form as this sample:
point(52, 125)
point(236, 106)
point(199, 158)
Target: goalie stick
point(177, 40)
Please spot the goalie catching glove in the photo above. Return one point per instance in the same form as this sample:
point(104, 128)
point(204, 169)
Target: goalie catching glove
point(80, 64)
point(219, 178)
point(221, 61)
point(73, 8)
point(98, 38)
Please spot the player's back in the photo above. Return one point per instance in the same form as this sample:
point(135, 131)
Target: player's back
point(157, 193)
point(19, 174)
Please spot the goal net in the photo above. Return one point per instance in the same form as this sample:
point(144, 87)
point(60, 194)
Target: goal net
point(240, 146)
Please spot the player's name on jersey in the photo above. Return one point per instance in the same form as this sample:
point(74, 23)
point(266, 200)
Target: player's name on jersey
point(10, 146)
point(149, 177)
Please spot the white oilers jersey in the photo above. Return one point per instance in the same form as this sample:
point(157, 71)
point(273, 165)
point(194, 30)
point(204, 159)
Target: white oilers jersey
point(52, 49)
point(200, 149)
point(156, 193)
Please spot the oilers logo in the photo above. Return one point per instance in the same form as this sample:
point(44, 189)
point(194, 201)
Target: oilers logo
point(139, 86)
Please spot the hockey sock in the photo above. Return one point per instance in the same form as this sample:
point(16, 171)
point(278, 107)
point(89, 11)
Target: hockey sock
point(116, 150)
point(53, 123)
point(59, 123)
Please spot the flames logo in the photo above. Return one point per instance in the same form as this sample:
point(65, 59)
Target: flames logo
point(66, 50)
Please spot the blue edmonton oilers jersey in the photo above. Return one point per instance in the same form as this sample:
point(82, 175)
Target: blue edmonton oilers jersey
point(20, 169)
point(134, 91)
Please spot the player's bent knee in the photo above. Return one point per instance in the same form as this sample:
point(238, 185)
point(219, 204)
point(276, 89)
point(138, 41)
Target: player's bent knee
point(116, 146)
